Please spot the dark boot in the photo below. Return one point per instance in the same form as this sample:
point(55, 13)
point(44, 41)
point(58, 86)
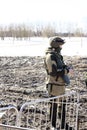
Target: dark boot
point(62, 115)
point(68, 127)
point(53, 113)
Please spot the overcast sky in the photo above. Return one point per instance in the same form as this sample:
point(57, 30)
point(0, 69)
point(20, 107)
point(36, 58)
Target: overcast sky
point(41, 11)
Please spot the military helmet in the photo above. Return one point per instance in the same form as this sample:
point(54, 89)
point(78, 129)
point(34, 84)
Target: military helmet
point(56, 41)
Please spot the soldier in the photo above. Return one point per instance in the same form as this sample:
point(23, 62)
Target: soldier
point(56, 80)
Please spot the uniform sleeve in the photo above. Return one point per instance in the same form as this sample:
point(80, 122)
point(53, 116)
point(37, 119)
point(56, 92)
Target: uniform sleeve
point(51, 66)
point(58, 66)
point(54, 66)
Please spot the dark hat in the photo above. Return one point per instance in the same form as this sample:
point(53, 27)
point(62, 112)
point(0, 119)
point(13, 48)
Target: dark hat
point(56, 41)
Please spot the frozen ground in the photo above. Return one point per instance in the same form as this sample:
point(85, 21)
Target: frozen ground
point(37, 46)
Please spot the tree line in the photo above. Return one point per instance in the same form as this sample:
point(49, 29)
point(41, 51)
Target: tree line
point(24, 31)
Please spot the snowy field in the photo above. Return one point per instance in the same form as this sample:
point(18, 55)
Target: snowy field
point(37, 46)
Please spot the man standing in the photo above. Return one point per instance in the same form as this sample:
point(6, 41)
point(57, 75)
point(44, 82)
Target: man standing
point(56, 80)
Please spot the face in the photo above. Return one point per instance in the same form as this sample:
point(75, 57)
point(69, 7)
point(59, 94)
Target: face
point(58, 49)
point(60, 46)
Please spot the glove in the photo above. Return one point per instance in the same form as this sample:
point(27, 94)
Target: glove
point(66, 68)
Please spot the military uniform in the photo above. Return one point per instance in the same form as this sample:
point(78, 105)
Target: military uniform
point(56, 69)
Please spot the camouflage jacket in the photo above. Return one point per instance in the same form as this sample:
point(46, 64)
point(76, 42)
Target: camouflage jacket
point(55, 67)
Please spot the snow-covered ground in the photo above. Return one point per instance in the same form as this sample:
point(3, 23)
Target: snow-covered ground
point(37, 46)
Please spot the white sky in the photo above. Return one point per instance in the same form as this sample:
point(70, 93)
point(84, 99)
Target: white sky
point(58, 11)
